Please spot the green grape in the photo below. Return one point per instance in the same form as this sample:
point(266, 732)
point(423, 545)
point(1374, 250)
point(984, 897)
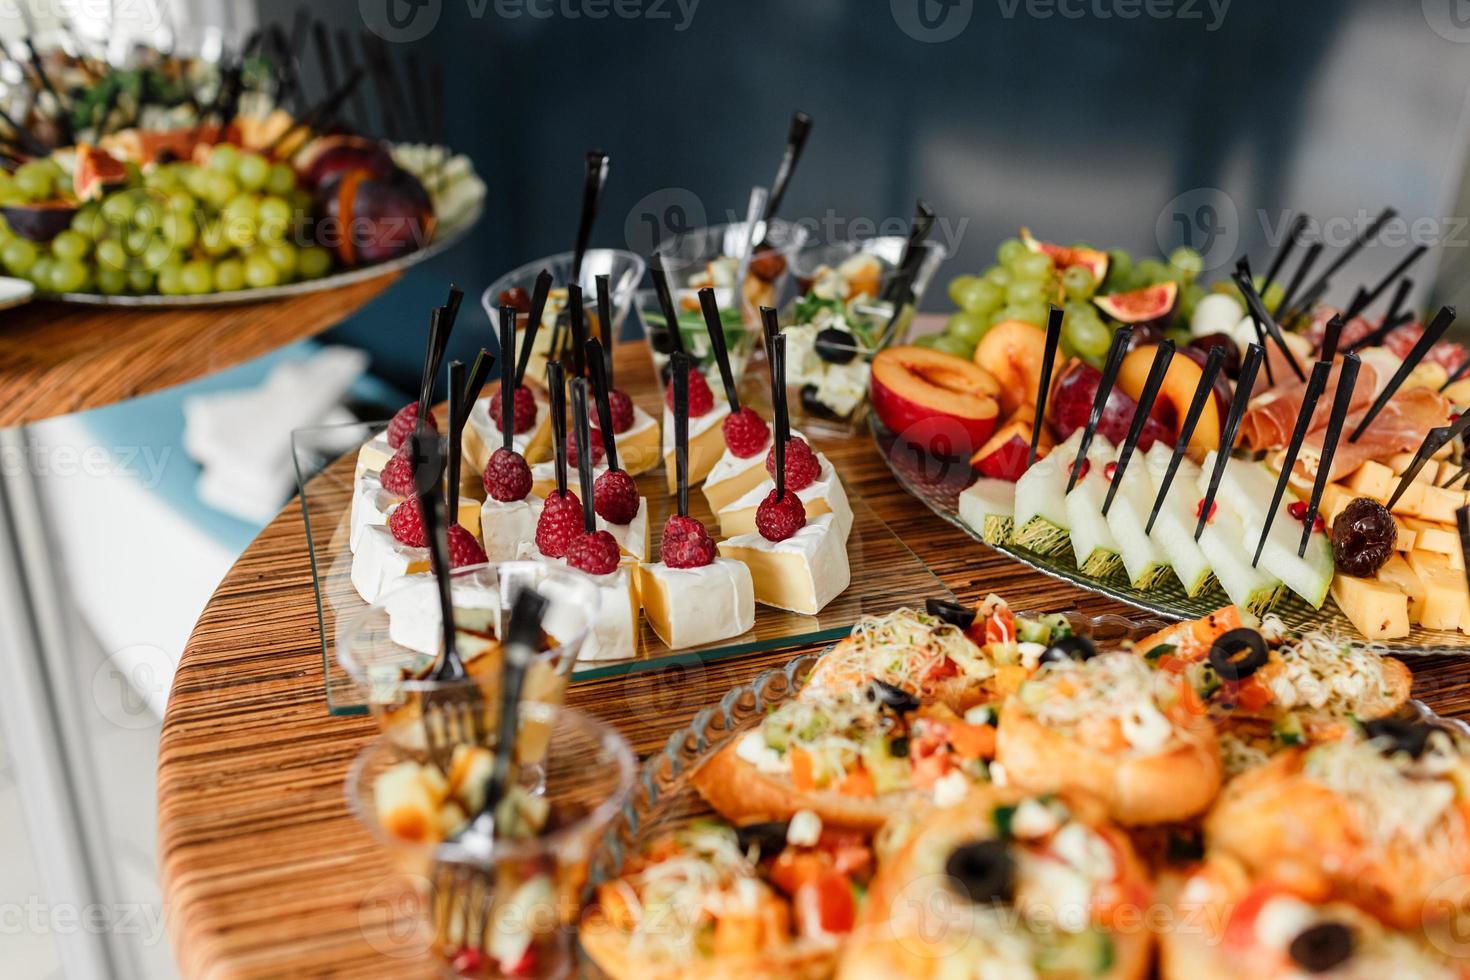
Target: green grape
point(957, 285)
point(117, 209)
point(1010, 251)
point(282, 180)
point(5, 233)
point(85, 221)
point(1189, 298)
point(70, 245)
point(950, 344)
point(7, 182)
point(260, 271)
point(137, 240)
point(35, 180)
point(140, 280)
point(974, 294)
point(998, 276)
point(1152, 271)
point(163, 179)
point(229, 275)
point(1077, 282)
point(1274, 294)
point(196, 277)
point(179, 230)
point(111, 281)
point(212, 238)
point(133, 174)
point(314, 262)
point(157, 254)
point(996, 316)
point(928, 340)
point(1187, 261)
point(239, 220)
point(1033, 265)
point(40, 272)
point(219, 188)
point(223, 159)
point(1180, 336)
point(1089, 337)
point(1028, 313)
point(148, 212)
point(274, 214)
point(252, 171)
point(180, 202)
point(1022, 292)
point(68, 276)
point(19, 255)
point(196, 181)
point(1120, 268)
point(969, 327)
point(170, 279)
point(283, 256)
point(111, 255)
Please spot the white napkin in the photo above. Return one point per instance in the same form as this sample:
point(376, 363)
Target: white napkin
point(242, 438)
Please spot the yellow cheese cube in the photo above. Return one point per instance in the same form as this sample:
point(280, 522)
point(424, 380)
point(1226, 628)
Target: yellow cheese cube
point(1334, 498)
point(1439, 504)
point(1372, 479)
point(1406, 538)
point(1410, 500)
point(1398, 573)
point(1378, 610)
point(1444, 590)
point(1432, 536)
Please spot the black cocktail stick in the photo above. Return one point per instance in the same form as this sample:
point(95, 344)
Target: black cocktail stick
point(578, 328)
point(456, 429)
point(898, 289)
point(716, 330)
point(666, 300)
point(1160, 366)
point(556, 384)
point(1100, 398)
point(479, 374)
point(593, 182)
point(1330, 336)
point(507, 420)
point(783, 419)
point(432, 358)
point(425, 446)
point(1293, 234)
point(605, 325)
point(597, 368)
point(1258, 311)
point(28, 140)
point(63, 109)
point(1315, 384)
point(1462, 474)
point(326, 60)
point(680, 380)
point(1390, 319)
point(1043, 388)
point(1314, 251)
point(583, 428)
point(796, 134)
point(1342, 258)
point(1204, 393)
point(1347, 380)
point(1434, 439)
point(1366, 297)
point(904, 287)
point(539, 294)
point(1430, 337)
point(1456, 374)
point(1254, 355)
point(452, 303)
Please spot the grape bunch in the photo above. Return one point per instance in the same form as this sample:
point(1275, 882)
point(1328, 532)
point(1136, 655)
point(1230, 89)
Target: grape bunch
point(183, 228)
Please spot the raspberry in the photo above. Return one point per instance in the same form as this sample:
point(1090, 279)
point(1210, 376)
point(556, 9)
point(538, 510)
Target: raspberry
point(778, 520)
point(560, 524)
point(621, 407)
point(407, 524)
point(802, 465)
point(397, 475)
point(507, 477)
point(405, 421)
point(463, 548)
point(686, 543)
point(598, 450)
point(525, 416)
point(615, 497)
point(595, 553)
point(746, 433)
point(701, 399)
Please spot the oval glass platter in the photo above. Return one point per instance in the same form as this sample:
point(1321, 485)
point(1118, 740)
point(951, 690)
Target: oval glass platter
point(937, 483)
point(446, 235)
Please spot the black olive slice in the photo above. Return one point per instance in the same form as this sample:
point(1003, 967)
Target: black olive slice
point(982, 871)
point(769, 838)
point(1074, 647)
point(891, 696)
point(951, 612)
point(1400, 735)
point(1238, 654)
point(1322, 947)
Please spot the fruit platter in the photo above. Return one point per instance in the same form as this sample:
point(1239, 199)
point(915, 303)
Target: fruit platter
point(174, 183)
point(1177, 446)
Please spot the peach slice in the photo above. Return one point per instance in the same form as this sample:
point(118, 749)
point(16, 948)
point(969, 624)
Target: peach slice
point(1012, 351)
point(1175, 394)
point(934, 400)
point(1003, 457)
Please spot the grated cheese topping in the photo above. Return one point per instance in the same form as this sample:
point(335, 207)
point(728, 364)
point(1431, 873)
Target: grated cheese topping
point(1319, 670)
point(1117, 686)
point(903, 648)
point(1395, 799)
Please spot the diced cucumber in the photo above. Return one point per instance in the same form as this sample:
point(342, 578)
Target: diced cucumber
point(1093, 544)
point(1288, 730)
point(988, 506)
point(1032, 630)
point(1252, 589)
point(1174, 527)
point(890, 772)
point(1144, 559)
point(1041, 522)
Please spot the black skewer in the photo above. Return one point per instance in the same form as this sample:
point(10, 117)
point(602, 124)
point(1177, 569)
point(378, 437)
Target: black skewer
point(1315, 384)
point(326, 61)
point(314, 117)
point(899, 288)
point(1434, 440)
point(1100, 398)
point(1366, 297)
point(1254, 355)
point(597, 368)
point(1430, 337)
point(348, 57)
point(1293, 234)
point(1204, 392)
point(63, 110)
point(1314, 251)
point(666, 300)
point(540, 292)
point(1462, 474)
point(1390, 319)
point(680, 381)
point(1258, 312)
point(783, 419)
point(1043, 388)
point(507, 377)
point(796, 136)
point(1457, 374)
point(456, 430)
point(438, 340)
point(605, 324)
point(376, 59)
point(578, 327)
point(1347, 380)
point(1162, 356)
point(593, 183)
point(425, 447)
point(1346, 254)
point(556, 384)
point(1331, 333)
point(479, 374)
point(716, 330)
point(582, 426)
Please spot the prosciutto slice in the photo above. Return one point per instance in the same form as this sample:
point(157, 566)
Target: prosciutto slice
point(1267, 424)
point(1399, 428)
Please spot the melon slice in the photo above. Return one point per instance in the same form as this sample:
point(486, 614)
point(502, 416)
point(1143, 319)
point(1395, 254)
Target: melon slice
point(1252, 589)
point(1144, 558)
point(1174, 528)
point(989, 508)
point(1041, 521)
point(1093, 544)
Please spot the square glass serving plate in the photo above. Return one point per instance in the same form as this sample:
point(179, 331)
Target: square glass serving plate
point(885, 572)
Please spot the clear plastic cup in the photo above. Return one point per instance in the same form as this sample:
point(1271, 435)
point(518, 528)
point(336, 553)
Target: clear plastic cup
point(390, 648)
point(484, 908)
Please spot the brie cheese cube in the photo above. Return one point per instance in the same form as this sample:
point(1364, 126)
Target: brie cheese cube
point(543, 477)
point(374, 455)
point(691, 606)
point(638, 447)
point(482, 435)
point(803, 573)
point(825, 495)
point(504, 526)
point(380, 561)
point(733, 477)
point(706, 444)
point(614, 632)
point(632, 538)
point(414, 618)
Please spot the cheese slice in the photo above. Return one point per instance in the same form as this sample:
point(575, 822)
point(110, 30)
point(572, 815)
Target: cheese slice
point(732, 477)
point(1398, 573)
point(824, 495)
point(803, 573)
point(691, 606)
point(1439, 503)
point(706, 445)
point(1372, 479)
point(1377, 609)
point(1444, 590)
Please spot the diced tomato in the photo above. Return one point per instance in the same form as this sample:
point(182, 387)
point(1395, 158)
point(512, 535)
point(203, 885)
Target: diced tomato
point(930, 769)
point(1209, 628)
point(1001, 626)
point(795, 867)
point(849, 851)
point(825, 906)
point(801, 771)
point(857, 782)
point(1252, 695)
point(972, 741)
point(943, 669)
point(1241, 929)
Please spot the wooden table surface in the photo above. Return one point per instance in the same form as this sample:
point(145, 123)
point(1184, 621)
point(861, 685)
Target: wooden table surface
point(56, 358)
point(265, 872)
